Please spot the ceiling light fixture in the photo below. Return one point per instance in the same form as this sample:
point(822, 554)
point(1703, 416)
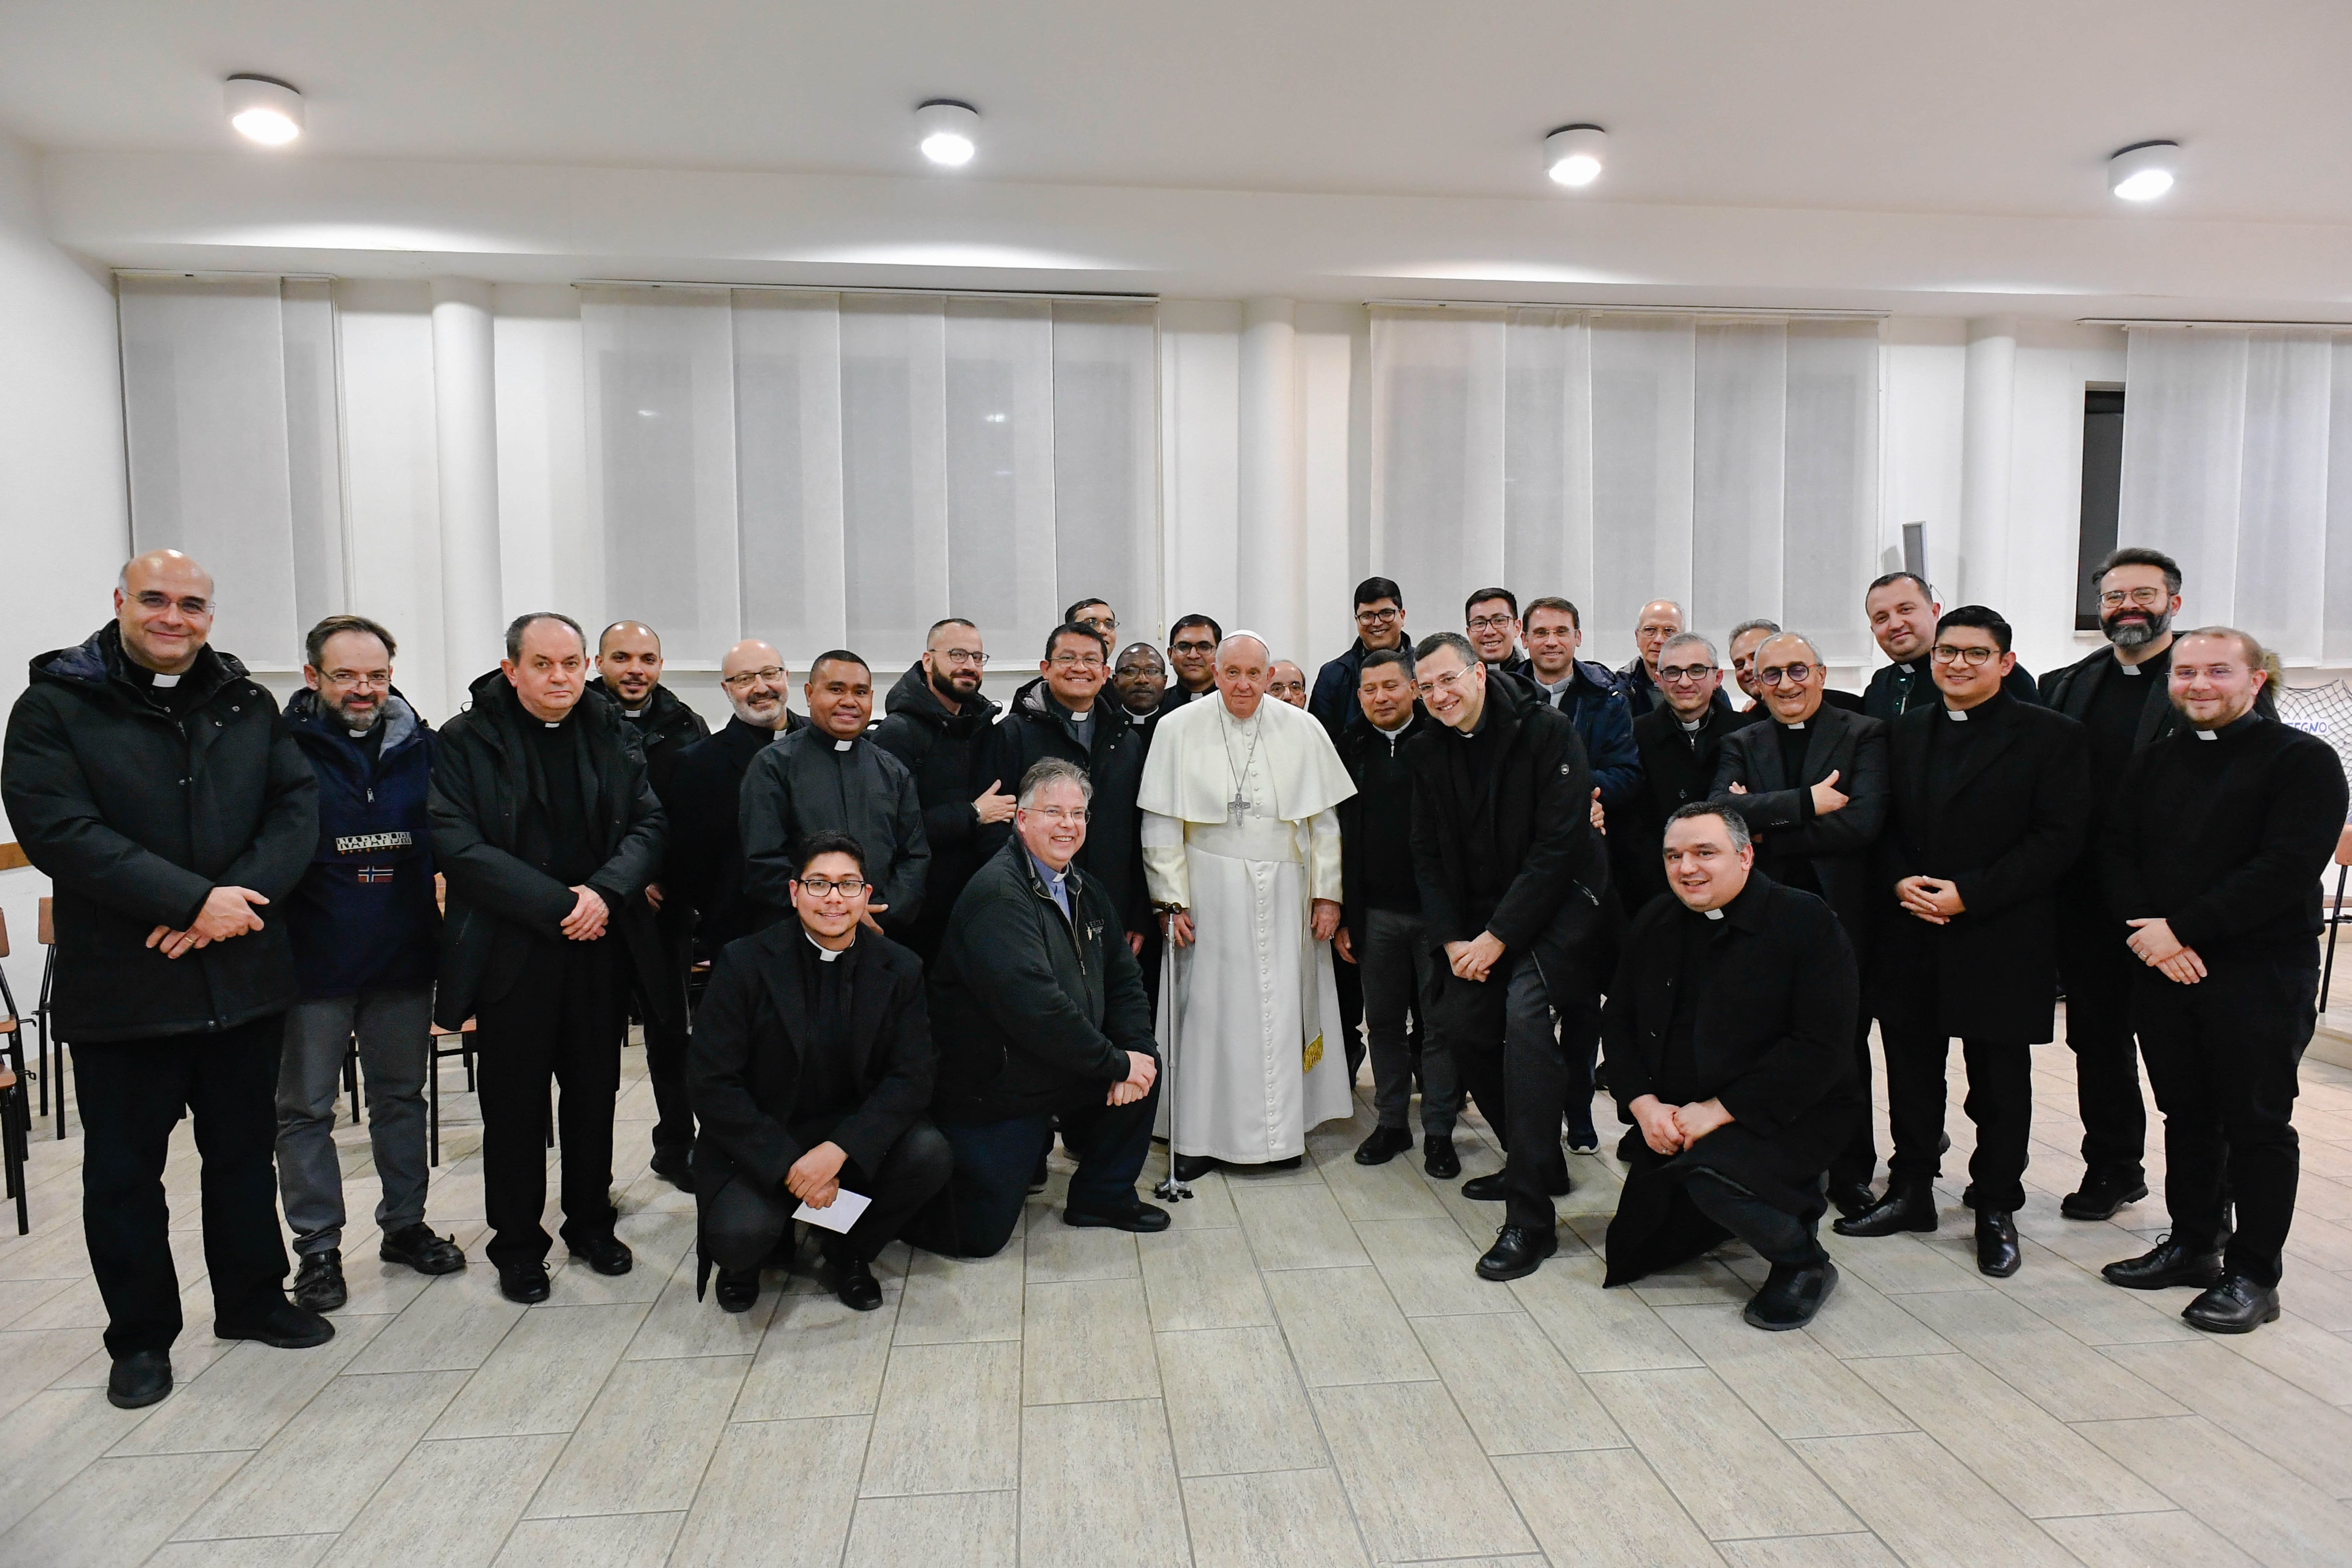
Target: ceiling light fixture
point(947, 132)
point(1573, 153)
point(2143, 172)
point(264, 110)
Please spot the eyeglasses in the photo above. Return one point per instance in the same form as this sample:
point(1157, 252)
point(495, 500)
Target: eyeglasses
point(825, 886)
point(743, 678)
point(971, 657)
point(1057, 813)
point(1377, 617)
point(1083, 661)
point(1192, 647)
point(1684, 674)
point(1452, 680)
point(1797, 674)
point(1974, 658)
point(2146, 597)
point(1491, 622)
point(151, 600)
point(1099, 623)
point(355, 679)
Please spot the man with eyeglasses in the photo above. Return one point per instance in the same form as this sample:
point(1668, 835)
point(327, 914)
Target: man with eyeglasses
point(1138, 681)
point(810, 1071)
point(703, 868)
point(1660, 619)
point(1286, 683)
point(830, 776)
point(1380, 624)
point(1811, 784)
point(1746, 638)
point(942, 726)
point(1097, 614)
point(157, 787)
point(365, 927)
point(1987, 802)
point(1490, 618)
point(1679, 742)
point(1192, 655)
point(2118, 694)
point(1903, 613)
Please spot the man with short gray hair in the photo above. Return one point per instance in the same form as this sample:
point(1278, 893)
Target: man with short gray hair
point(1679, 742)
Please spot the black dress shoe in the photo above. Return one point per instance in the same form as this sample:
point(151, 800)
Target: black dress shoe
point(1191, 1167)
point(1790, 1295)
point(2101, 1194)
point(2233, 1303)
point(1292, 1163)
point(1143, 1218)
point(524, 1282)
point(139, 1379)
point(318, 1284)
point(1439, 1157)
point(283, 1326)
point(854, 1282)
point(1851, 1198)
point(1487, 1188)
point(416, 1246)
point(1997, 1249)
point(1517, 1252)
point(2173, 1261)
point(607, 1254)
point(738, 1289)
point(1907, 1206)
point(1385, 1144)
point(675, 1166)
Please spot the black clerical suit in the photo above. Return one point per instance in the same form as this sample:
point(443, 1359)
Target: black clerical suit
point(2224, 834)
point(951, 756)
point(796, 1046)
point(522, 812)
point(1754, 1009)
point(1897, 688)
point(1993, 800)
point(1380, 908)
point(1642, 693)
point(810, 782)
point(1678, 768)
point(1778, 764)
point(1503, 842)
point(703, 863)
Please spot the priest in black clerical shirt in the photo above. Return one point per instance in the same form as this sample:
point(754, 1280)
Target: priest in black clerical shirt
point(1728, 1030)
point(1679, 742)
point(1986, 812)
point(1903, 613)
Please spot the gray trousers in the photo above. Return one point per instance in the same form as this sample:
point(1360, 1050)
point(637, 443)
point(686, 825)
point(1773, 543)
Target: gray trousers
point(395, 1031)
point(1394, 964)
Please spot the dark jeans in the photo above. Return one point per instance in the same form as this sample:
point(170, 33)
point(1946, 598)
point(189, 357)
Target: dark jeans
point(1514, 1062)
point(1394, 965)
point(666, 1036)
point(742, 1224)
point(974, 1216)
point(1858, 1161)
point(562, 1021)
point(2222, 1056)
point(132, 1094)
point(2000, 1103)
point(1778, 1236)
point(2098, 971)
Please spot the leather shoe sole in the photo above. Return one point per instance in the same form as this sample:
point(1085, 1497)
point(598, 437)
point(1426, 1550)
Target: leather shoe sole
point(139, 1379)
point(1144, 1219)
point(295, 1327)
point(1491, 1188)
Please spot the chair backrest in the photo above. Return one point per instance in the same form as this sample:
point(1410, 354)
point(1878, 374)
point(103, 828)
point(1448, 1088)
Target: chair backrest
point(47, 935)
point(2343, 853)
point(3, 934)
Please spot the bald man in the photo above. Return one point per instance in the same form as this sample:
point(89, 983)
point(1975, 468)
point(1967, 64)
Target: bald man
point(629, 672)
point(705, 865)
point(160, 791)
point(1288, 683)
point(1660, 619)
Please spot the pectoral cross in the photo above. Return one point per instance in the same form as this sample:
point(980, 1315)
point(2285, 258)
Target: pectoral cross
point(1238, 807)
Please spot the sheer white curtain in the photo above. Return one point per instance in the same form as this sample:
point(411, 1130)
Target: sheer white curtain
point(2238, 463)
point(229, 411)
point(1728, 464)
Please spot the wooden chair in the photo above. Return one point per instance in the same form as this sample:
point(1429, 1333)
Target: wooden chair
point(44, 1015)
point(2336, 909)
point(16, 1121)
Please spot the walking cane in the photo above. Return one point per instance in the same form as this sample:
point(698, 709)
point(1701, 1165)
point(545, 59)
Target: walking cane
point(1170, 1190)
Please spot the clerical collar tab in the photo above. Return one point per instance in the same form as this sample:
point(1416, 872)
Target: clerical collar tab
point(550, 723)
point(824, 954)
point(1690, 726)
point(2208, 735)
point(1958, 715)
point(1712, 914)
point(2126, 669)
point(842, 745)
point(166, 682)
point(1798, 725)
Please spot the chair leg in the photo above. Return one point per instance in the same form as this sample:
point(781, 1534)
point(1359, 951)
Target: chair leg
point(62, 1067)
point(2335, 918)
point(44, 1076)
point(19, 1127)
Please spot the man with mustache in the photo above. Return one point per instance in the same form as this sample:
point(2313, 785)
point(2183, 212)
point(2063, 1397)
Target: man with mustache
point(704, 866)
point(941, 726)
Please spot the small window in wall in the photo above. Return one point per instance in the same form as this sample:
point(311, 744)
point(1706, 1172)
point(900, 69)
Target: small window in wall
point(2103, 474)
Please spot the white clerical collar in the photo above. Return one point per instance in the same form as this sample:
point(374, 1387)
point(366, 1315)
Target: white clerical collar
point(1078, 716)
point(165, 681)
point(842, 745)
point(824, 953)
point(1908, 666)
point(1400, 729)
point(361, 734)
point(1800, 723)
point(635, 712)
point(1712, 914)
point(2208, 735)
point(2126, 669)
point(1690, 726)
point(1958, 715)
point(1559, 685)
point(550, 723)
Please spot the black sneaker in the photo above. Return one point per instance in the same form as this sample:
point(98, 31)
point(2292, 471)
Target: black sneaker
point(1790, 1296)
point(139, 1379)
point(283, 1326)
point(319, 1286)
point(419, 1248)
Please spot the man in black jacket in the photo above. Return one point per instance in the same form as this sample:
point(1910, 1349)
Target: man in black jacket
point(1379, 624)
point(830, 776)
point(1490, 621)
point(158, 788)
point(1514, 901)
point(1728, 1027)
point(810, 1067)
point(1811, 784)
point(1679, 742)
point(628, 673)
point(2215, 845)
point(1139, 680)
point(702, 863)
point(943, 728)
point(1038, 1009)
point(1192, 655)
point(1987, 800)
point(1903, 616)
point(365, 927)
point(548, 833)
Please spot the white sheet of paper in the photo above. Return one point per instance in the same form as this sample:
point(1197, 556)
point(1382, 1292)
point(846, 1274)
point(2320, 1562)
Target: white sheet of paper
point(839, 1215)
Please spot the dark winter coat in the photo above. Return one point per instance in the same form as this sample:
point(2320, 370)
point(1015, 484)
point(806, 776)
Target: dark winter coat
point(364, 914)
point(136, 816)
point(1333, 699)
point(1895, 689)
point(668, 727)
point(1642, 693)
point(702, 867)
point(951, 756)
point(1382, 770)
point(1778, 809)
point(1036, 726)
point(490, 834)
point(1677, 771)
point(808, 783)
point(1604, 722)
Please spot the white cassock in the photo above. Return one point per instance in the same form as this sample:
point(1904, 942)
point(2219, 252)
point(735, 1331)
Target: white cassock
point(1238, 827)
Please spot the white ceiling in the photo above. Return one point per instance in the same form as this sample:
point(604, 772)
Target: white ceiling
point(1993, 111)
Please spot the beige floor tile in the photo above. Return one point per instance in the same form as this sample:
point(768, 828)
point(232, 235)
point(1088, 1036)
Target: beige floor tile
point(2275, 1516)
point(47, 1440)
point(544, 1374)
point(242, 1399)
point(449, 1503)
point(1808, 1551)
point(1235, 1404)
point(678, 1325)
point(1598, 1330)
point(658, 1239)
point(1605, 1508)
point(116, 1511)
point(1734, 1476)
point(614, 1540)
point(326, 1462)
point(1293, 1226)
point(1797, 1387)
point(642, 1446)
point(1396, 1190)
point(1432, 1496)
point(1343, 1327)
point(1055, 1253)
point(254, 1551)
point(2318, 1297)
point(819, 1358)
point(778, 1492)
point(1900, 1265)
point(1064, 1450)
point(2145, 1541)
point(1294, 1519)
point(1087, 1340)
point(970, 1530)
point(1931, 1509)
point(32, 1359)
point(2311, 1358)
point(942, 1419)
point(1512, 1386)
point(2253, 1404)
point(2042, 1362)
point(1210, 1207)
point(1429, 1266)
point(2089, 1308)
point(453, 1325)
point(1203, 1280)
point(954, 1300)
point(18, 1297)
point(1858, 1320)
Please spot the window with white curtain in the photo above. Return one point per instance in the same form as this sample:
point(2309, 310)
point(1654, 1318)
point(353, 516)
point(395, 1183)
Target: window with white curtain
point(822, 469)
point(2238, 463)
point(229, 412)
point(1727, 462)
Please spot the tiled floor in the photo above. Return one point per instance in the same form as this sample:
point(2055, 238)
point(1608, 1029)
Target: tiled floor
point(1303, 1372)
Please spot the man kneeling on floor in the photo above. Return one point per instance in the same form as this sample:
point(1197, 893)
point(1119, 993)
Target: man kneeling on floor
point(1729, 1033)
point(810, 1065)
point(1041, 1017)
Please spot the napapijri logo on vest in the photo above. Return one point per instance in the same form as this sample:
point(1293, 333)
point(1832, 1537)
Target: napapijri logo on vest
point(365, 843)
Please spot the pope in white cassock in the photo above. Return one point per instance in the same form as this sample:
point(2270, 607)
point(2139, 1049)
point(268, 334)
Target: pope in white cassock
point(1241, 854)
